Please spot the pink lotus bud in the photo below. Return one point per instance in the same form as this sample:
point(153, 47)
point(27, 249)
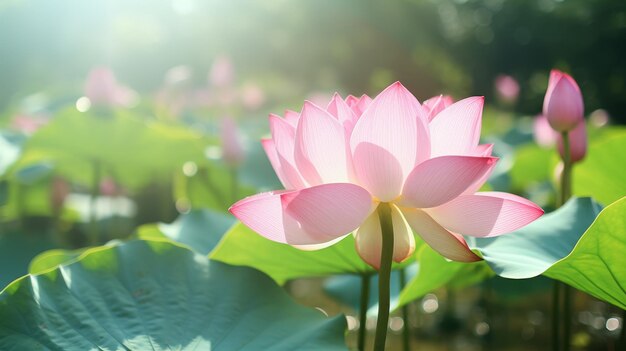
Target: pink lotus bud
point(563, 103)
point(544, 135)
point(577, 143)
point(222, 73)
point(232, 150)
point(436, 104)
point(507, 88)
point(102, 88)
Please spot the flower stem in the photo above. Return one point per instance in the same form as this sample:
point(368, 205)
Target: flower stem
point(384, 274)
point(95, 192)
point(566, 191)
point(365, 296)
point(566, 177)
point(406, 339)
point(564, 195)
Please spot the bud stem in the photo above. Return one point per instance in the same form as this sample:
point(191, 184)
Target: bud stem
point(564, 195)
point(384, 275)
point(566, 177)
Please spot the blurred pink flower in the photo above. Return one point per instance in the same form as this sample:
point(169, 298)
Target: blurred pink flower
point(232, 150)
point(340, 162)
point(252, 96)
point(102, 88)
point(28, 124)
point(59, 190)
point(436, 104)
point(507, 88)
point(108, 187)
point(222, 73)
point(563, 103)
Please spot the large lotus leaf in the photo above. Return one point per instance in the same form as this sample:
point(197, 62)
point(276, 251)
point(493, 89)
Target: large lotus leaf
point(597, 264)
point(132, 151)
point(199, 229)
point(565, 245)
point(243, 247)
point(533, 165)
point(530, 251)
point(16, 251)
point(50, 259)
point(157, 296)
point(602, 174)
point(53, 258)
point(435, 271)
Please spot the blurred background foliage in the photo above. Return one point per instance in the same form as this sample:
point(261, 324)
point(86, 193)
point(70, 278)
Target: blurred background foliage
point(296, 47)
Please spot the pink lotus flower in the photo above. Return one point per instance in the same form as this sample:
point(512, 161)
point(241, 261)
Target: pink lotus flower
point(102, 88)
point(340, 162)
point(563, 103)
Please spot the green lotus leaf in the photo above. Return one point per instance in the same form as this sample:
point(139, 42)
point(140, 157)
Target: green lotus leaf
point(597, 264)
point(52, 259)
point(576, 244)
point(602, 173)
point(243, 247)
point(201, 229)
point(150, 295)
